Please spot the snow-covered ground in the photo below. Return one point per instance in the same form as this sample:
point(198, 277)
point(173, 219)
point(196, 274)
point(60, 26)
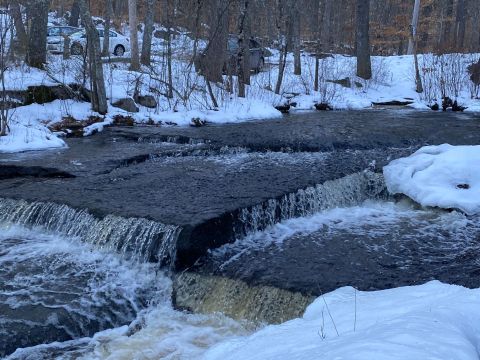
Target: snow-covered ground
point(444, 176)
point(431, 321)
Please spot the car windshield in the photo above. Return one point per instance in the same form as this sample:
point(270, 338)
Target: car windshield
point(69, 31)
point(233, 44)
point(54, 31)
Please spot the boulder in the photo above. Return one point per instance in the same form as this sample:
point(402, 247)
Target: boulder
point(323, 107)
point(43, 94)
point(147, 101)
point(127, 104)
point(197, 122)
point(284, 109)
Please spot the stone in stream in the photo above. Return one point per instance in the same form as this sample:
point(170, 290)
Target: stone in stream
point(127, 104)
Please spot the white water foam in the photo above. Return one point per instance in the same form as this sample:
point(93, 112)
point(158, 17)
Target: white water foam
point(372, 218)
point(77, 286)
point(56, 287)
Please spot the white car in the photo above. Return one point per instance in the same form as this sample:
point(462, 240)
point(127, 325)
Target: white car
point(55, 37)
point(119, 44)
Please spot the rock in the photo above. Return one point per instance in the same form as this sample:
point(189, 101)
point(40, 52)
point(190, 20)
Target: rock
point(435, 107)
point(393, 103)
point(197, 122)
point(127, 104)
point(323, 107)
point(358, 84)
point(284, 109)
point(120, 120)
point(147, 101)
point(456, 107)
point(43, 94)
point(446, 103)
point(347, 83)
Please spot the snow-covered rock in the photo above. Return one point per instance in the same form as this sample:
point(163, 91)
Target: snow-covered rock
point(431, 321)
point(443, 176)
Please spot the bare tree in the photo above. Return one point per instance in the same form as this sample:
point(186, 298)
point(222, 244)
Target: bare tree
point(97, 80)
point(296, 28)
point(282, 23)
point(460, 24)
point(16, 14)
point(364, 64)
point(413, 45)
point(132, 19)
point(74, 14)
point(413, 27)
point(5, 28)
point(37, 17)
point(106, 33)
point(170, 12)
point(242, 57)
point(147, 34)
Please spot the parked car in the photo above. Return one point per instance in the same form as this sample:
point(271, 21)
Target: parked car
point(119, 44)
point(55, 37)
point(257, 55)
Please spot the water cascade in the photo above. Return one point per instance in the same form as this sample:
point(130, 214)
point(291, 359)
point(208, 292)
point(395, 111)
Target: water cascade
point(347, 191)
point(137, 238)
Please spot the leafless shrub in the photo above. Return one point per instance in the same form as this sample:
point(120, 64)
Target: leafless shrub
point(443, 75)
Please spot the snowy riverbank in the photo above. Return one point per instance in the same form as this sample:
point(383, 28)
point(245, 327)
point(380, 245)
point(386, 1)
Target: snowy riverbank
point(392, 80)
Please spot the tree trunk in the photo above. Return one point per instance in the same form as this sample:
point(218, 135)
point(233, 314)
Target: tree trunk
point(147, 34)
point(169, 50)
point(37, 15)
point(5, 29)
point(22, 38)
point(214, 57)
point(74, 14)
point(296, 26)
point(364, 65)
point(106, 33)
point(97, 81)
point(414, 26)
point(446, 42)
point(460, 25)
point(132, 19)
point(242, 57)
point(283, 45)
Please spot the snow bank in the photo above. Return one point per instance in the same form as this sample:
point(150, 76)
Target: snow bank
point(444, 176)
point(27, 137)
point(431, 321)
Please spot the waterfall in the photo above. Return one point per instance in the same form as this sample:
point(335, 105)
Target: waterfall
point(212, 294)
point(136, 238)
point(347, 191)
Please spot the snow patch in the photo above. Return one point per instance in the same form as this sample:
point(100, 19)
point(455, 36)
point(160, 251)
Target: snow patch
point(431, 321)
point(443, 176)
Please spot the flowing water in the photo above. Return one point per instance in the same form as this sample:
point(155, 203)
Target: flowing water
point(303, 214)
point(61, 291)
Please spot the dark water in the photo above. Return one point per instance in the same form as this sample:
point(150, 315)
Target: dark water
point(57, 288)
point(376, 245)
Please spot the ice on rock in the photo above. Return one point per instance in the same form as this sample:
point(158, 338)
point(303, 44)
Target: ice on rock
point(442, 176)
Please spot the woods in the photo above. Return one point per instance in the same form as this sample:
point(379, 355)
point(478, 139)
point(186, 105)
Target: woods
point(186, 55)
